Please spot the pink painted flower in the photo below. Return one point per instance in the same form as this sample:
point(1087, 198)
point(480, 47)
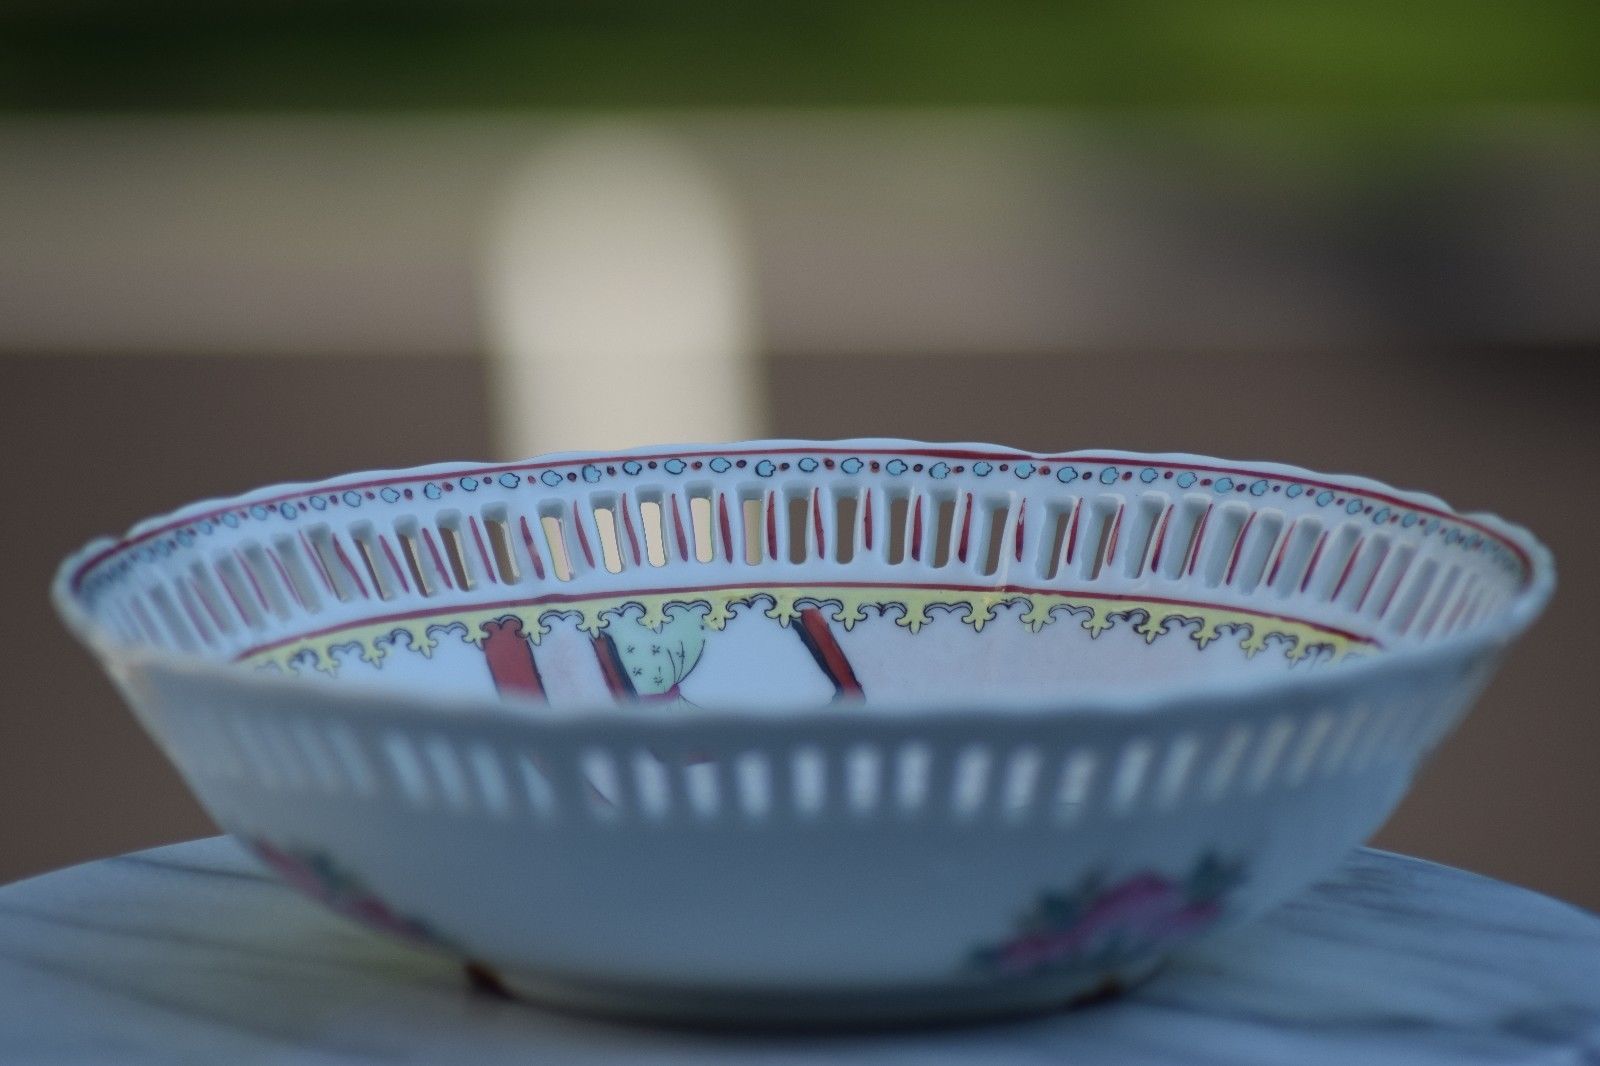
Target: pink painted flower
point(1099, 926)
point(316, 876)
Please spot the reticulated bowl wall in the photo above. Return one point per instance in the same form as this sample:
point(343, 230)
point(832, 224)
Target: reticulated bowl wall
point(875, 724)
point(789, 575)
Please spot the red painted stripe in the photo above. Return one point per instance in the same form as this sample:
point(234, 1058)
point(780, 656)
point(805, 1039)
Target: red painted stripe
point(283, 575)
point(1394, 589)
point(1024, 590)
point(510, 657)
point(724, 526)
point(1372, 578)
point(532, 549)
point(1349, 567)
point(394, 564)
point(1197, 539)
point(966, 529)
point(125, 618)
point(677, 528)
point(321, 567)
point(627, 524)
point(199, 627)
point(1111, 541)
point(205, 602)
point(438, 560)
point(1283, 549)
point(1238, 548)
point(941, 453)
point(250, 576)
point(772, 526)
point(1161, 537)
point(916, 530)
point(151, 632)
point(1430, 614)
point(616, 675)
point(237, 606)
point(583, 540)
point(483, 550)
point(350, 568)
point(1072, 530)
point(1469, 593)
point(812, 626)
point(1316, 556)
point(816, 521)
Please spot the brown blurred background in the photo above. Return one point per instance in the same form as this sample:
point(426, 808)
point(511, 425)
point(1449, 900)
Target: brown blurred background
point(315, 239)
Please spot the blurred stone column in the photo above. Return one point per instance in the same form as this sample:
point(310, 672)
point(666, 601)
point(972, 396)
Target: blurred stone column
point(619, 307)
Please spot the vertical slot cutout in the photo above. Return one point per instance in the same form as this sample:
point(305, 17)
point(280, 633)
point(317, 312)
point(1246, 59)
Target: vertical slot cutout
point(702, 523)
point(180, 632)
point(372, 560)
point(211, 598)
point(1053, 553)
point(450, 539)
point(295, 572)
point(498, 529)
point(655, 541)
point(895, 543)
point(1255, 549)
point(944, 532)
point(1401, 608)
point(1140, 534)
point(845, 510)
point(336, 563)
point(605, 522)
point(1360, 571)
point(994, 535)
point(199, 621)
point(1103, 519)
point(239, 592)
point(1293, 566)
point(1378, 595)
point(1433, 608)
point(265, 578)
point(1452, 619)
point(1329, 567)
point(799, 514)
point(750, 524)
point(412, 554)
point(1226, 527)
point(410, 551)
point(1179, 551)
point(555, 541)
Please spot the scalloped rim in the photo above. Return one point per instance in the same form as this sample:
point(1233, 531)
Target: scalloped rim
point(1521, 612)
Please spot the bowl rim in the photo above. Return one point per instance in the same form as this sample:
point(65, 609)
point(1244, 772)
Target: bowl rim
point(1520, 612)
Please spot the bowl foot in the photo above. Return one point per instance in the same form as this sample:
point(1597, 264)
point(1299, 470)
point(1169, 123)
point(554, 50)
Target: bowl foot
point(812, 1009)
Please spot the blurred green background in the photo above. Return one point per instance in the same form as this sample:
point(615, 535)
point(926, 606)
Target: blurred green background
point(190, 55)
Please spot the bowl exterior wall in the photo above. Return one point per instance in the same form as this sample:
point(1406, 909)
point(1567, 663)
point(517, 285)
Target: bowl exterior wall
point(800, 727)
point(802, 853)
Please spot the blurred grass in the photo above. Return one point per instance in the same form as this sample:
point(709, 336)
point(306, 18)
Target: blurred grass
point(190, 55)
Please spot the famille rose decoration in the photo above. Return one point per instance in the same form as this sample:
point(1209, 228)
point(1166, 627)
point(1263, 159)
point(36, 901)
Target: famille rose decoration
point(802, 731)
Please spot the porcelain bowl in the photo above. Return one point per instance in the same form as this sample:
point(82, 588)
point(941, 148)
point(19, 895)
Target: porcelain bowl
point(806, 732)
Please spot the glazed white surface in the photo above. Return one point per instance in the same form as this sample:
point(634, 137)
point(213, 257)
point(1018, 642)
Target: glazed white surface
point(1060, 671)
point(193, 954)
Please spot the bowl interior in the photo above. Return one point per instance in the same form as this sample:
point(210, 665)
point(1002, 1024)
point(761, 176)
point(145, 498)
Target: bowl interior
point(795, 574)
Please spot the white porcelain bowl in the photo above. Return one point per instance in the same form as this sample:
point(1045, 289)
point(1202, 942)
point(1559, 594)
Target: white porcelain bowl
point(798, 731)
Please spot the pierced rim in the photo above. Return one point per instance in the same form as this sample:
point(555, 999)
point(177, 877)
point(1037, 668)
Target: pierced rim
point(1538, 583)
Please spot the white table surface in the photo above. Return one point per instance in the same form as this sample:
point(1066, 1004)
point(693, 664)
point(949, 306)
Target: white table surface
point(192, 954)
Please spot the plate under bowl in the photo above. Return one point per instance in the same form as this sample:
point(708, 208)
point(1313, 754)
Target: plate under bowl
point(846, 731)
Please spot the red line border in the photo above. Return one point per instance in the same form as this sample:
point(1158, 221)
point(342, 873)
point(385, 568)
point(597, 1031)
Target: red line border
point(487, 472)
